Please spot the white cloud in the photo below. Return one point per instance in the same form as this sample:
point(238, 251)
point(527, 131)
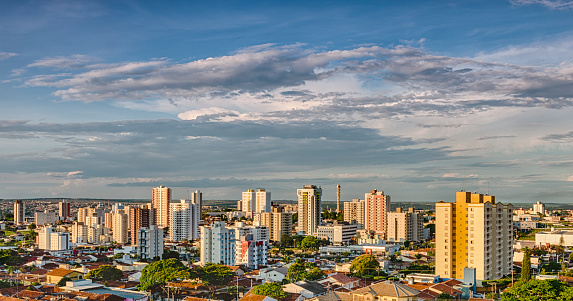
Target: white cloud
point(73, 62)
point(74, 173)
point(570, 179)
point(7, 55)
point(194, 114)
point(552, 4)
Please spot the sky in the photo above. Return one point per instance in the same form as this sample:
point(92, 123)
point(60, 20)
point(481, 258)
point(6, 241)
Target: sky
point(108, 99)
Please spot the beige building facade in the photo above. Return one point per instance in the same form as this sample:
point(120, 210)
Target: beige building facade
point(474, 232)
point(354, 212)
point(161, 198)
point(402, 226)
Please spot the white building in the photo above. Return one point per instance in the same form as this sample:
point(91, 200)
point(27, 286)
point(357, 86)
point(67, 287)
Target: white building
point(184, 220)
point(98, 234)
point(309, 202)
point(53, 241)
point(256, 201)
point(554, 237)
point(354, 212)
point(251, 245)
point(46, 217)
point(79, 233)
point(217, 244)
point(149, 242)
point(538, 208)
point(337, 233)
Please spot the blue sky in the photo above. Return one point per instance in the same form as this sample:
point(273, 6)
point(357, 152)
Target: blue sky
point(109, 99)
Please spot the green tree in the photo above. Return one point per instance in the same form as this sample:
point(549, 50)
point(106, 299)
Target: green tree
point(31, 226)
point(445, 296)
point(310, 243)
point(314, 273)
point(104, 273)
point(162, 271)
point(270, 289)
point(538, 290)
point(10, 257)
point(526, 265)
point(170, 254)
point(63, 281)
point(213, 275)
point(296, 272)
point(552, 266)
point(286, 241)
point(118, 256)
point(297, 239)
point(365, 264)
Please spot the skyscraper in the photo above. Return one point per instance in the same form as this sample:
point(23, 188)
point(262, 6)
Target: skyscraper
point(309, 202)
point(277, 221)
point(160, 203)
point(139, 217)
point(217, 244)
point(64, 209)
point(474, 232)
point(183, 220)
point(149, 242)
point(120, 227)
point(256, 201)
point(402, 226)
point(354, 212)
point(19, 212)
point(377, 205)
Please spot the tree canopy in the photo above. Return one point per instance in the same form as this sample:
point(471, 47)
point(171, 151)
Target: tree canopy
point(365, 264)
point(213, 275)
point(526, 265)
point(538, 290)
point(104, 273)
point(270, 289)
point(162, 271)
point(170, 254)
point(304, 271)
point(10, 257)
point(310, 243)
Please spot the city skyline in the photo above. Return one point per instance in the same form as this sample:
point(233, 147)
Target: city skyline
point(416, 99)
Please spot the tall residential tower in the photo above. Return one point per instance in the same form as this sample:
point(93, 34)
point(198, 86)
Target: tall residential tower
point(160, 203)
point(474, 232)
point(309, 201)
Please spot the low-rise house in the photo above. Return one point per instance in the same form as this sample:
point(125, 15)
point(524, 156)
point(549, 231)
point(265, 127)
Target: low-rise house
point(273, 274)
point(341, 280)
point(54, 276)
point(307, 289)
point(388, 290)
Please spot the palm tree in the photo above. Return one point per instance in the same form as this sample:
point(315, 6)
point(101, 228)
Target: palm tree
point(286, 259)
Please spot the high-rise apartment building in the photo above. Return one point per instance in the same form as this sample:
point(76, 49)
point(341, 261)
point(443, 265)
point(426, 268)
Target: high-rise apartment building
point(376, 207)
point(217, 244)
point(402, 226)
point(251, 245)
point(19, 212)
point(149, 242)
point(309, 206)
point(120, 226)
point(278, 222)
point(256, 201)
point(139, 217)
point(160, 202)
point(53, 241)
point(354, 213)
point(538, 208)
point(474, 232)
point(82, 213)
point(183, 220)
point(64, 209)
point(79, 233)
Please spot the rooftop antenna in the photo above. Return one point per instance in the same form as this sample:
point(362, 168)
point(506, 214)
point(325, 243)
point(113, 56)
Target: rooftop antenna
point(488, 188)
point(464, 184)
point(187, 193)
